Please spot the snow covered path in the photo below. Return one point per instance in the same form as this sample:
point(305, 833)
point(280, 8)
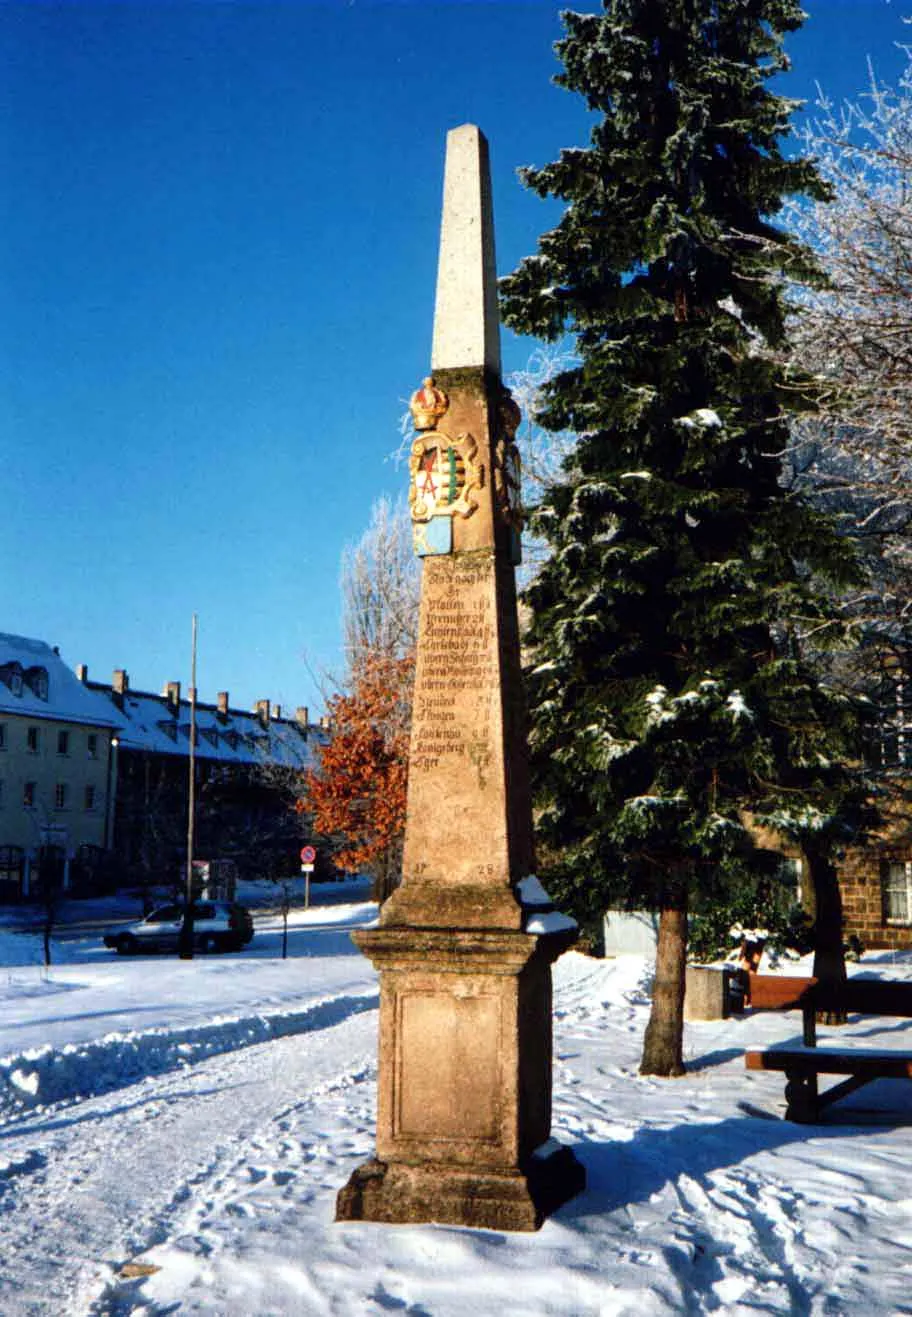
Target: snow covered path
point(107, 1177)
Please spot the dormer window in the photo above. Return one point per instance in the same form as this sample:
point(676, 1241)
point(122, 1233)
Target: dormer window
point(12, 675)
point(37, 679)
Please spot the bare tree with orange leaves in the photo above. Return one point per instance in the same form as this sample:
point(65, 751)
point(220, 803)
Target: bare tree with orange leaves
point(357, 793)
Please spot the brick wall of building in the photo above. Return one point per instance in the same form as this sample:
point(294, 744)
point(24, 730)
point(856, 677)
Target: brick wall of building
point(862, 898)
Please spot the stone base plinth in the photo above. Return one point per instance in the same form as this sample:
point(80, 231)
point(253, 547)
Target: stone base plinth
point(402, 1194)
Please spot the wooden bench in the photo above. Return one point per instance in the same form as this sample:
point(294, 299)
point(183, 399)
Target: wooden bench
point(802, 1065)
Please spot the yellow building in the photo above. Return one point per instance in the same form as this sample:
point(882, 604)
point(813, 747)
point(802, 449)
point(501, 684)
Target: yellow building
point(56, 788)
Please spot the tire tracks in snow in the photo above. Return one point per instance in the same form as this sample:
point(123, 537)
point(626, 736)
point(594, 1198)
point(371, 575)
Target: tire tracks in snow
point(112, 1173)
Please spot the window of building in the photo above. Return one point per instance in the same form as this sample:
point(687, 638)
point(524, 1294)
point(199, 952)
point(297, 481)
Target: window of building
point(28, 795)
point(2, 736)
point(63, 743)
point(1, 792)
point(33, 739)
point(896, 886)
point(12, 675)
point(92, 745)
point(11, 859)
point(60, 795)
point(37, 679)
point(90, 797)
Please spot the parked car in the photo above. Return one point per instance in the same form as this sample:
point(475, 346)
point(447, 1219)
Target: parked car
point(217, 926)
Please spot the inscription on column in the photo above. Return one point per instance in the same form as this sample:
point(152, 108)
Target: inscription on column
point(456, 686)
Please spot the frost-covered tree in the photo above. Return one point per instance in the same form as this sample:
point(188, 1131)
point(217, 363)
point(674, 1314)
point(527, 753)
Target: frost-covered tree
point(672, 706)
point(856, 332)
point(542, 452)
point(854, 455)
point(380, 588)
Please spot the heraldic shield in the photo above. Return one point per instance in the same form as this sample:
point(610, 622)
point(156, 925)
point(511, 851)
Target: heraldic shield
point(444, 478)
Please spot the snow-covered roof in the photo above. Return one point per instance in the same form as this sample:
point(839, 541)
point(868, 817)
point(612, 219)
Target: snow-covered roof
point(36, 683)
point(150, 722)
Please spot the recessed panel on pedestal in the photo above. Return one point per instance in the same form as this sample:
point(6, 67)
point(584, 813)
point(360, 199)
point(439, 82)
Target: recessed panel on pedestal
point(448, 1067)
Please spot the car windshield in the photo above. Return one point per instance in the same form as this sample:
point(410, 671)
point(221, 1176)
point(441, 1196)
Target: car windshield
point(165, 914)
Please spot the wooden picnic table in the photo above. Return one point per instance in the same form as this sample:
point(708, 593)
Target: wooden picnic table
point(803, 1064)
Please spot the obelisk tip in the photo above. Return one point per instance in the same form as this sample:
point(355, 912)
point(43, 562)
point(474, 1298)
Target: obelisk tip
point(466, 319)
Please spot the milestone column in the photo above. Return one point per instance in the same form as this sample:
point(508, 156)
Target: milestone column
point(465, 945)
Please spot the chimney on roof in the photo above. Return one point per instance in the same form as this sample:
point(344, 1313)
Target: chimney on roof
point(302, 716)
point(261, 709)
point(82, 672)
point(277, 712)
point(120, 682)
point(222, 701)
point(172, 694)
point(325, 722)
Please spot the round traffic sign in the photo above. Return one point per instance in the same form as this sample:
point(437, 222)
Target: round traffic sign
point(308, 854)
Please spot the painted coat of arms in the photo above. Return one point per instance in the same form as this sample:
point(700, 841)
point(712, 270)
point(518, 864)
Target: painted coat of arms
point(444, 478)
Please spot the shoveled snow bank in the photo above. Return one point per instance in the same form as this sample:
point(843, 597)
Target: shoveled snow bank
point(49, 1075)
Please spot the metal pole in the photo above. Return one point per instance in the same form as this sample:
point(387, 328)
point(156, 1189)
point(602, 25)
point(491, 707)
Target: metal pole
point(186, 938)
point(113, 743)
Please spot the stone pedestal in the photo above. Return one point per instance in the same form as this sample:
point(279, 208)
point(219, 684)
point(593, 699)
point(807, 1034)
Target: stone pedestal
point(464, 1091)
point(465, 946)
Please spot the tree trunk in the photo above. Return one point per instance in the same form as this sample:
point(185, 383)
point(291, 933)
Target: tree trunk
point(829, 951)
point(664, 1038)
point(387, 875)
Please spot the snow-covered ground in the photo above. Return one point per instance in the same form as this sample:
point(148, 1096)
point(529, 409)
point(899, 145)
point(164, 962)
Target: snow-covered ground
point(192, 1122)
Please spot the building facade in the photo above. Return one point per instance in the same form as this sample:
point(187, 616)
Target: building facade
point(56, 785)
point(95, 780)
point(247, 772)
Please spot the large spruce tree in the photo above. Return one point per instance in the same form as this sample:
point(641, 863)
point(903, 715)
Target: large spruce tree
point(672, 703)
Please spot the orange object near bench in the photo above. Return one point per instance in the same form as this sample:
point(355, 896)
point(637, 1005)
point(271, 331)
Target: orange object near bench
point(802, 1065)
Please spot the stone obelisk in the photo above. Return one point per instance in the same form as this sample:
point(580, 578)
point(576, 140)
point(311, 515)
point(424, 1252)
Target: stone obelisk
point(465, 945)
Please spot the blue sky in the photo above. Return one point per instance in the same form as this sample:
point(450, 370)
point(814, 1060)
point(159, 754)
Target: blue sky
point(218, 244)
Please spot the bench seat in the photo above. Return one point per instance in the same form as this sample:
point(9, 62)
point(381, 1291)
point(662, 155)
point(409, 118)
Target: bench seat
point(826, 1061)
point(803, 1064)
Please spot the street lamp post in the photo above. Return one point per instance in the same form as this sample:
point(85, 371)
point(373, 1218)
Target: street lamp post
point(186, 934)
